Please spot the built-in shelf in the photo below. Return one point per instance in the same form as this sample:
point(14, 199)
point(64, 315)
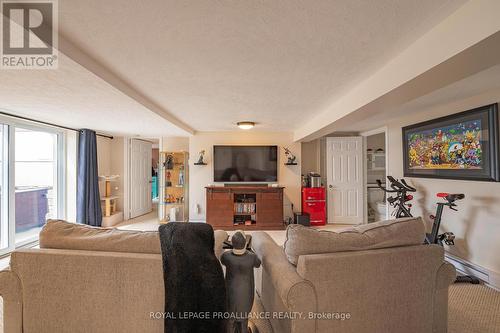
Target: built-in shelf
point(174, 184)
point(111, 215)
point(294, 163)
point(200, 163)
point(109, 178)
point(375, 161)
point(235, 207)
point(112, 197)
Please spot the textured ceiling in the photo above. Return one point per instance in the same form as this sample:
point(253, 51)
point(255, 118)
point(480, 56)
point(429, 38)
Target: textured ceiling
point(72, 96)
point(213, 63)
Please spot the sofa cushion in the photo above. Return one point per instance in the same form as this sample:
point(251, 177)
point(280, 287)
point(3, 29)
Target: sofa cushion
point(58, 234)
point(302, 240)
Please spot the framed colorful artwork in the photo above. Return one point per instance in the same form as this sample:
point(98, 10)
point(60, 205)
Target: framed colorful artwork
point(461, 146)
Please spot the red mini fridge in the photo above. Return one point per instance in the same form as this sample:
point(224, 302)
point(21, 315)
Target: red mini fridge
point(314, 203)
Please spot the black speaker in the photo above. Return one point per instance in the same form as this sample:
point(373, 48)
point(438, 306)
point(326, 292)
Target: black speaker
point(302, 218)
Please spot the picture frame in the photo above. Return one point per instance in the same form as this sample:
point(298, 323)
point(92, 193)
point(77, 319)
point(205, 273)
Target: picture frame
point(462, 146)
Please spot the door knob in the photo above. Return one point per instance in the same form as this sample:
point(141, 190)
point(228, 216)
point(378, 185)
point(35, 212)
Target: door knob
point(330, 186)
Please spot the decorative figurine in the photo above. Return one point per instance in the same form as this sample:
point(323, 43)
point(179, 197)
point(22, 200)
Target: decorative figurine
point(240, 285)
point(169, 162)
point(291, 157)
point(180, 182)
point(168, 182)
point(200, 158)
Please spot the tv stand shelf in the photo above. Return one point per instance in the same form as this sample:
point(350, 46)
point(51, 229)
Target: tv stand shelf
point(245, 207)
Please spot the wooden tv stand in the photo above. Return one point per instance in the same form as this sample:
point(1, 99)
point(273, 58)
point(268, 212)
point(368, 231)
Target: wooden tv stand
point(245, 207)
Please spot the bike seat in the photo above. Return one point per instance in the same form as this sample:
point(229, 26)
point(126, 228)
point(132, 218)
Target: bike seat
point(451, 197)
point(391, 199)
point(455, 196)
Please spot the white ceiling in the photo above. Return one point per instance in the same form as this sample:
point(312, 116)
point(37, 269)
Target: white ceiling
point(72, 96)
point(213, 63)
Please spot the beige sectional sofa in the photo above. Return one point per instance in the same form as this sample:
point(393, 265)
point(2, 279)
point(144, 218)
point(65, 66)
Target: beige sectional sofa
point(373, 278)
point(86, 279)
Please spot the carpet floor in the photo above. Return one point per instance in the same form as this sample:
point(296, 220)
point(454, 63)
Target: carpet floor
point(472, 309)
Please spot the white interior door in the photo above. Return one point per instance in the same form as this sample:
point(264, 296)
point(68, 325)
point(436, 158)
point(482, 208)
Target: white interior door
point(344, 165)
point(140, 177)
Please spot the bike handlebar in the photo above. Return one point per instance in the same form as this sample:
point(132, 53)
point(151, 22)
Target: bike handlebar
point(408, 187)
point(395, 184)
point(379, 183)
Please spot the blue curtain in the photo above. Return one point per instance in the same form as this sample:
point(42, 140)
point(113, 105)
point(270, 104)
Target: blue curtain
point(87, 194)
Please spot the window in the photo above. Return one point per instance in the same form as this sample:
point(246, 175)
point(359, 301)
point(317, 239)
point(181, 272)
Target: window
point(5, 231)
point(31, 182)
point(36, 181)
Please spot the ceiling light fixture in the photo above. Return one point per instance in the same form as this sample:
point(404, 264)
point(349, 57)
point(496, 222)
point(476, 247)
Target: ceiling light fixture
point(245, 124)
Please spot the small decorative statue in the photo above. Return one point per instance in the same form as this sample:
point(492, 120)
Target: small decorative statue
point(291, 157)
point(240, 284)
point(181, 176)
point(168, 181)
point(169, 162)
point(200, 158)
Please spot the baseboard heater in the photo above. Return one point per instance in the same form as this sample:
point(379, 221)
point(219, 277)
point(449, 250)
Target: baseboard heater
point(466, 268)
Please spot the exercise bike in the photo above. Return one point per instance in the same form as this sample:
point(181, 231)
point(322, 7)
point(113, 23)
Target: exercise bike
point(447, 238)
point(401, 201)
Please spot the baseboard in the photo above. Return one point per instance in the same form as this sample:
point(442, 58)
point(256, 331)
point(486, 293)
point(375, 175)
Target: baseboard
point(465, 267)
point(494, 280)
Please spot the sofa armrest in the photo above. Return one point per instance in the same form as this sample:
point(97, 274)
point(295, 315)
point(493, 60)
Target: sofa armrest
point(445, 276)
point(393, 289)
point(282, 286)
point(11, 292)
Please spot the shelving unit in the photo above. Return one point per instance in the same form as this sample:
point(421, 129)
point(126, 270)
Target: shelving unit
point(375, 160)
point(173, 187)
point(111, 215)
point(245, 207)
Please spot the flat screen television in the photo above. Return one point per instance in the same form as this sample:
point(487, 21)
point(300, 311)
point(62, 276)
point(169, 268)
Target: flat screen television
point(245, 164)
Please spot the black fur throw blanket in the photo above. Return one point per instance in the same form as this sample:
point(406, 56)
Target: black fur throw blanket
point(195, 292)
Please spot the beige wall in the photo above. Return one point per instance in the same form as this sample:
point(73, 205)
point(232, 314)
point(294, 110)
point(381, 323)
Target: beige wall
point(201, 176)
point(111, 161)
point(103, 159)
point(174, 143)
point(310, 156)
point(103, 155)
point(117, 167)
point(375, 141)
point(477, 222)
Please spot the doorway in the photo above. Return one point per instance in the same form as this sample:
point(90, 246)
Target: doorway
point(345, 179)
point(140, 177)
point(155, 163)
point(375, 157)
